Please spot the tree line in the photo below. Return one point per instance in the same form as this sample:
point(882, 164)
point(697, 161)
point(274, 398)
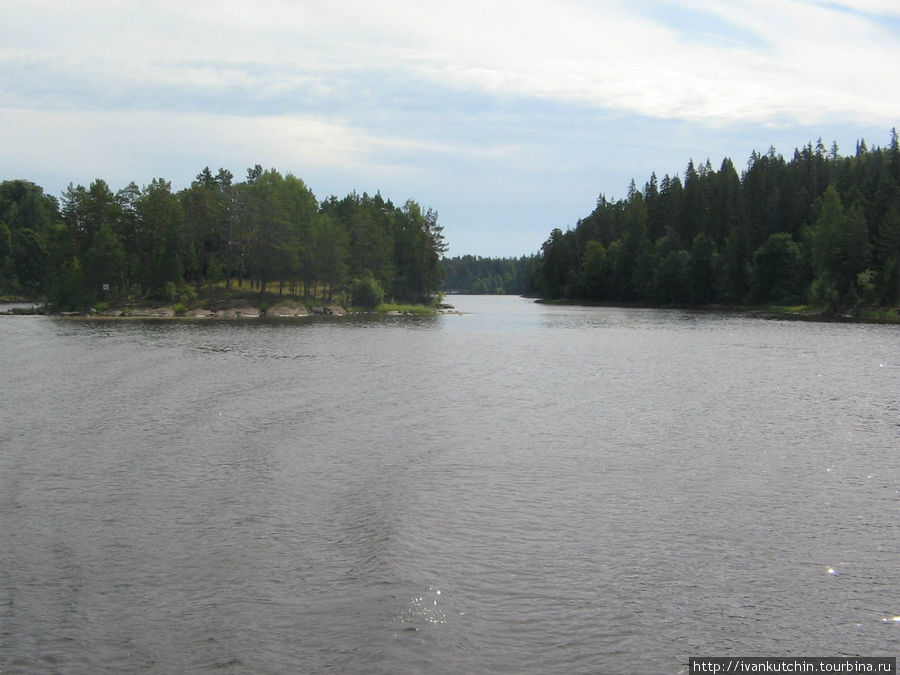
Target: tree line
point(476, 275)
point(819, 228)
point(153, 242)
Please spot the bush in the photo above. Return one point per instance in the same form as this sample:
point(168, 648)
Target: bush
point(187, 294)
point(865, 285)
point(366, 292)
point(822, 293)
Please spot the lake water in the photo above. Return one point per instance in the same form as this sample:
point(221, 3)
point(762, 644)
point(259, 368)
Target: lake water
point(520, 489)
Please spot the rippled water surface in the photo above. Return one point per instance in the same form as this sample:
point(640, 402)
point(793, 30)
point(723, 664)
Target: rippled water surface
point(520, 489)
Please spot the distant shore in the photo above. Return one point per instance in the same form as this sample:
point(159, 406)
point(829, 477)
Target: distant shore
point(885, 315)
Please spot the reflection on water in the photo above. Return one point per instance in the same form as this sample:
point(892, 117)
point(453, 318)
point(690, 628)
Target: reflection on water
point(521, 488)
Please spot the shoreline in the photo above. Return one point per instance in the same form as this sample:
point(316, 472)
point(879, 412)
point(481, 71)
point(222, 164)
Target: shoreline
point(878, 316)
point(241, 312)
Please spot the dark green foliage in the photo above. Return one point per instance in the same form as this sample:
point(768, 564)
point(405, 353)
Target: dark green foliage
point(594, 269)
point(106, 261)
point(366, 292)
point(821, 226)
point(703, 264)
point(559, 272)
point(27, 218)
point(156, 243)
point(30, 257)
point(777, 271)
point(162, 219)
point(839, 249)
point(399, 247)
point(673, 278)
point(67, 288)
point(486, 276)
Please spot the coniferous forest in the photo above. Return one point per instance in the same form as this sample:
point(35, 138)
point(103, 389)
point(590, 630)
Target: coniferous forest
point(820, 228)
point(489, 276)
point(95, 244)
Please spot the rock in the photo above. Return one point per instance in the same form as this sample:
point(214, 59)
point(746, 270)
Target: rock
point(335, 310)
point(286, 309)
point(238, 313)
point(199, 313)
point(152, 312)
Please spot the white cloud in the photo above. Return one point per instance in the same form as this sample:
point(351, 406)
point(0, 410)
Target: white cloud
point(811, 61)
point(874, 7)
point(815, 63)
point(140, 145)
point(482, 105)
point(125, 146)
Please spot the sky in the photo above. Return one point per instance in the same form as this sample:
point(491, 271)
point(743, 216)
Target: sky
point(508, 118)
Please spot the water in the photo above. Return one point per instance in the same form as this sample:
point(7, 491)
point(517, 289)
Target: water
point(521, 489)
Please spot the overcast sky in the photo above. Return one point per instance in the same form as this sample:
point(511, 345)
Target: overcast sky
point(508, 118)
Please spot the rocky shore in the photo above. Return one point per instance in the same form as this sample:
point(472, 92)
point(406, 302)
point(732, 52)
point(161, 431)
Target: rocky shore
point(286, 309)
point(227, 309)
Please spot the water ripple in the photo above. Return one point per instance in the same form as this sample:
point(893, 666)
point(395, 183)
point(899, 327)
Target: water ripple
point(522, 489)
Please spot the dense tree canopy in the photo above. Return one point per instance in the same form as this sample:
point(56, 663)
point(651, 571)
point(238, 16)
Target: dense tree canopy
point(476, 275)
point(819, 227)
point(153, 242)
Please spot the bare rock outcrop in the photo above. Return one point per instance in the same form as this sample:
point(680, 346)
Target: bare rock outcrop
point(286, 309)
point(335, 310)
point(245, 312)
point(152, 312)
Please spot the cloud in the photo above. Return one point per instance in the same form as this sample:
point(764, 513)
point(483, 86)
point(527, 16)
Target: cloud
point(126, 146)
point(796, 60)
point(698, 60)
point(874, 8)
point(140, 145)
point(499, 114)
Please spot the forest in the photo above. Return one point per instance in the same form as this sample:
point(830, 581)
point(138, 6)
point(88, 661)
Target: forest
point(96, 245)
point(820, 228)
point(476, 275)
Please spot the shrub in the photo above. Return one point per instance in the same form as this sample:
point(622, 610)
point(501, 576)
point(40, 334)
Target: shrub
point(187, 294)
point(822, 293)
point(366, 292)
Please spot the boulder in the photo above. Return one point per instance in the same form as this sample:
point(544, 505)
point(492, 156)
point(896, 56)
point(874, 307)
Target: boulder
point(335, 310)
point(238, 313)
point(152, 312)
point(286, 309)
